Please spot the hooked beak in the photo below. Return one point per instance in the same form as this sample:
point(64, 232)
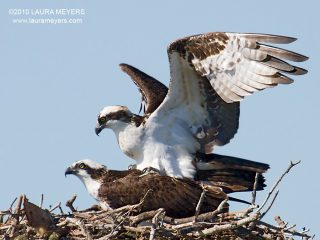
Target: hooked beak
point(68, 171)
point(98, 129)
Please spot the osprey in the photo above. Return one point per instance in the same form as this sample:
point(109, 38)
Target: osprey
point(114, 189)
point(210, 74)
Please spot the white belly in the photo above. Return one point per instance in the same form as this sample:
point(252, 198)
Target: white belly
point(160, 147)
point(173, 161)
point(170, 151)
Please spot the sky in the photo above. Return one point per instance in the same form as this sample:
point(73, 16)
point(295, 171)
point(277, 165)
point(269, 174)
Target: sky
point(55, 78)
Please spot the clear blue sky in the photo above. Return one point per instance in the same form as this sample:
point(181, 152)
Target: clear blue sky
point(56, 78)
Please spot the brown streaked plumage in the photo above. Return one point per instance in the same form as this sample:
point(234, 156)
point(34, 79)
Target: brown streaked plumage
point(179, 197)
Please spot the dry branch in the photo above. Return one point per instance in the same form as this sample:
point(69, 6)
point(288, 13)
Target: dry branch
point(254, 191)
point(292, 164)
point(70, 202)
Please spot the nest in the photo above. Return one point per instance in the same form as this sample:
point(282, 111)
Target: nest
point(25, 220)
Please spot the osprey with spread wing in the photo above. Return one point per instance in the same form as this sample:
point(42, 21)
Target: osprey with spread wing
point(210, 74)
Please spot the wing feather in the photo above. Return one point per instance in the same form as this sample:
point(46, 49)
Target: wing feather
point(268, 38)
point(211, 72)
point(281, 53)
point(152, 91)
point(227, 57)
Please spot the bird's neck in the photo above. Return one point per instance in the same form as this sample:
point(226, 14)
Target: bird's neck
point(121, 127)
point(92, 186)
point(130, 139)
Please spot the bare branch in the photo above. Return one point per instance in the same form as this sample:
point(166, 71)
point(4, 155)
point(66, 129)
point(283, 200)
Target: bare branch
point(219, 209)
point(254, 191)
point(155, 222)
point(274, 198)
point(142, 216)
point(198, 208)
point(55, 207)
point(41, 201)
point(70, 202)
point(229, 226)
point(13, 203)
point(292, 164)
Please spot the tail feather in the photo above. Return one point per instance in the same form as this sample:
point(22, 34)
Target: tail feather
point(215, 161)
point(230, 173)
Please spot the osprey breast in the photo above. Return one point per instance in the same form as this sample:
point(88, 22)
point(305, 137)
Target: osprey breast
point(130, 141)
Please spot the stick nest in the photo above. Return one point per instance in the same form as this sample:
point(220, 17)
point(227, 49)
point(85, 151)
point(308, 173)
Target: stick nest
point(25, 220)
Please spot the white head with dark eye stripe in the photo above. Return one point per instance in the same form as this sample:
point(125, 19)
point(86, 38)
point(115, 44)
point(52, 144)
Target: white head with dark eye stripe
point(90, 173)
point(113, 117)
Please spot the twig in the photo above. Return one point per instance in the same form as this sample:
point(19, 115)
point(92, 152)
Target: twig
point(137, 229)
point(274, 198)
point(10, 208)
point(290, 227)
point(255, 186)
point(127, 209)
point(41, 200)
point(198, 208)
point(18, 207)
point(189, 224)
point(229, 226)
point(70, 202)
point(292, 164)
point(60, 208)
point(81, 225)
point(155, 222)
point(219, 208)
point(12, 228)
point(3, 213)
point(13, 203)
point(55, 207)
point(209, 216)
point(134, 220)
point(84, 230)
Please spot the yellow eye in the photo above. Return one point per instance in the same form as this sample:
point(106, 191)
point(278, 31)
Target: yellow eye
point(82, 166)
point(102, 120)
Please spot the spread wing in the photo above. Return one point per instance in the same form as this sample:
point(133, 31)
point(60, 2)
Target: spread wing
point(211, 73)
point(152, 91)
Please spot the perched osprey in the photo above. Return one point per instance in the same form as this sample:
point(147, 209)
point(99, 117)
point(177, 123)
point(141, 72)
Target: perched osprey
point(113, 189)
point(210, 74)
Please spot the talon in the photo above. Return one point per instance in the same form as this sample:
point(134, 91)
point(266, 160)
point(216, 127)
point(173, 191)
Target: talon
point(148, 170)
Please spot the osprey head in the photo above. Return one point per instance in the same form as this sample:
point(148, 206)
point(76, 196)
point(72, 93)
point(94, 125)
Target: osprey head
point(111, 116)
point(85, 169)
point(90, 173)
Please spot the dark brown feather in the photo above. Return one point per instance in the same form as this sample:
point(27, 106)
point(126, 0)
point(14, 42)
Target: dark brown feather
point(230, 173)
point(178, 197)
point(153, 92)
point(200, 46)
point(223, 120)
